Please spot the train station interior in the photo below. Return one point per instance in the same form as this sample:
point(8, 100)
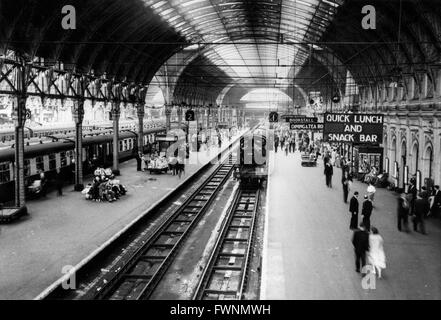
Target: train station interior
point(220, 150)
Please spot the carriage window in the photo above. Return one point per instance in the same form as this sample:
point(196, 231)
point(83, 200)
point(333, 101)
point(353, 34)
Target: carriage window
point(125, 145)
point(63, 159)
point(27, 168)
point(40, 163)
point(5, 174)
point(120, 146)
point(70, 155)
point(52, 162)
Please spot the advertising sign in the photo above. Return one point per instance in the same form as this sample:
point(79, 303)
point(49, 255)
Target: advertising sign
point(353, 128)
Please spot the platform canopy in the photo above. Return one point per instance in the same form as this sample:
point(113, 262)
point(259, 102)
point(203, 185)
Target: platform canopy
point(248, 43)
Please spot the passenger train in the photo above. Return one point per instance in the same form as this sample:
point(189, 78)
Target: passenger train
point(51, 156)
point(251, 168)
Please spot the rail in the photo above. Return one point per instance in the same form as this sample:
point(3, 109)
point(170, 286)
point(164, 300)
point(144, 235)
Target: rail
point(225, 275)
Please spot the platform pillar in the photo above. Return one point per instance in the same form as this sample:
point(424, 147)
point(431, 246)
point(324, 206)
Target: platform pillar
point(116, 112)
point(203, 116)
point(19, 121)
point(167, 117)
point(78, 115)
point(141, 113)
point(179, 111)
point(208, 118)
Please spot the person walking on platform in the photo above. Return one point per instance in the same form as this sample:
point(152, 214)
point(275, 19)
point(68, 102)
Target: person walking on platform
point(422, 208)
point(353, 209)
point(345, 182)
point(412, 194)
point(329, 171)
point(59, 182)
point(403, 212)
point(360, 241)
point(371, 192)
point(139, 157)
point(292, 145)
point(366, 212)
point(276, 143)
point(286, 146)
point(376, 255)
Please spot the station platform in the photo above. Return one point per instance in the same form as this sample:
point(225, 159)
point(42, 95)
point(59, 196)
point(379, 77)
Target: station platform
point(65, 231)
point(308, 252)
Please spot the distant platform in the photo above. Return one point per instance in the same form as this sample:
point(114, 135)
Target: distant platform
point(63, 231)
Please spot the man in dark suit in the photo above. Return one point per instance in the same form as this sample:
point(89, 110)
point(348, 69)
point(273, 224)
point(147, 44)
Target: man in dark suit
point(366, 212)
point(345, 182)
point(353, 209)
point(360, 240)
point(422, 208)
point(329, 171)
point(276, 142)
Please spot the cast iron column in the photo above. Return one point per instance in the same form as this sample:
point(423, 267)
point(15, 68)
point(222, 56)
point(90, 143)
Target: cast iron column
point(19, 122)
point(141, 113)
point(116, 112)
point(78, 116)
point(167, 117)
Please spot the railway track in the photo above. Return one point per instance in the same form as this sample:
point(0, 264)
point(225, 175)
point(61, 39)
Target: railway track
point(142, 272)
point(225, 276)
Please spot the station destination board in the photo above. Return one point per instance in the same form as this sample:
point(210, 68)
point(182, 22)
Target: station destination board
point(289, 117)
point(307, 126)
point(353, 128)
point(303, 120)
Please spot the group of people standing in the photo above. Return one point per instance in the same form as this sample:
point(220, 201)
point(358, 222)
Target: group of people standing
point(418, 206)
point(286, 143)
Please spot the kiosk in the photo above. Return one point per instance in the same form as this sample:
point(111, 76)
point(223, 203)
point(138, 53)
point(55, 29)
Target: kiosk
point(366, 157)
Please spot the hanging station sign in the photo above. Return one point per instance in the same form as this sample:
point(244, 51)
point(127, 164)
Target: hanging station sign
point(273, 117)
point(353, 128)
point(288, 117)
point(189, 115)
point(303, 120)
point(307, 126)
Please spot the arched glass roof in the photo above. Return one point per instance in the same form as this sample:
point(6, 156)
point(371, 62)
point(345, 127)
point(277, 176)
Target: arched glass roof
point(254, 41)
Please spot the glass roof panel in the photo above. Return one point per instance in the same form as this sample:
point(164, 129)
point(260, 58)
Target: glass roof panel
point(240, 37)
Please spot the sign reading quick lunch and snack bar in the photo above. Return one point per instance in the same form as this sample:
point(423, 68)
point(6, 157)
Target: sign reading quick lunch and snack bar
point(353, 128)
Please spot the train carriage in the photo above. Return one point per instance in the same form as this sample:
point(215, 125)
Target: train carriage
point(48, 157)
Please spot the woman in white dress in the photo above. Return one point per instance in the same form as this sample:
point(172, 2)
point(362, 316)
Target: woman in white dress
point(376, 256)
